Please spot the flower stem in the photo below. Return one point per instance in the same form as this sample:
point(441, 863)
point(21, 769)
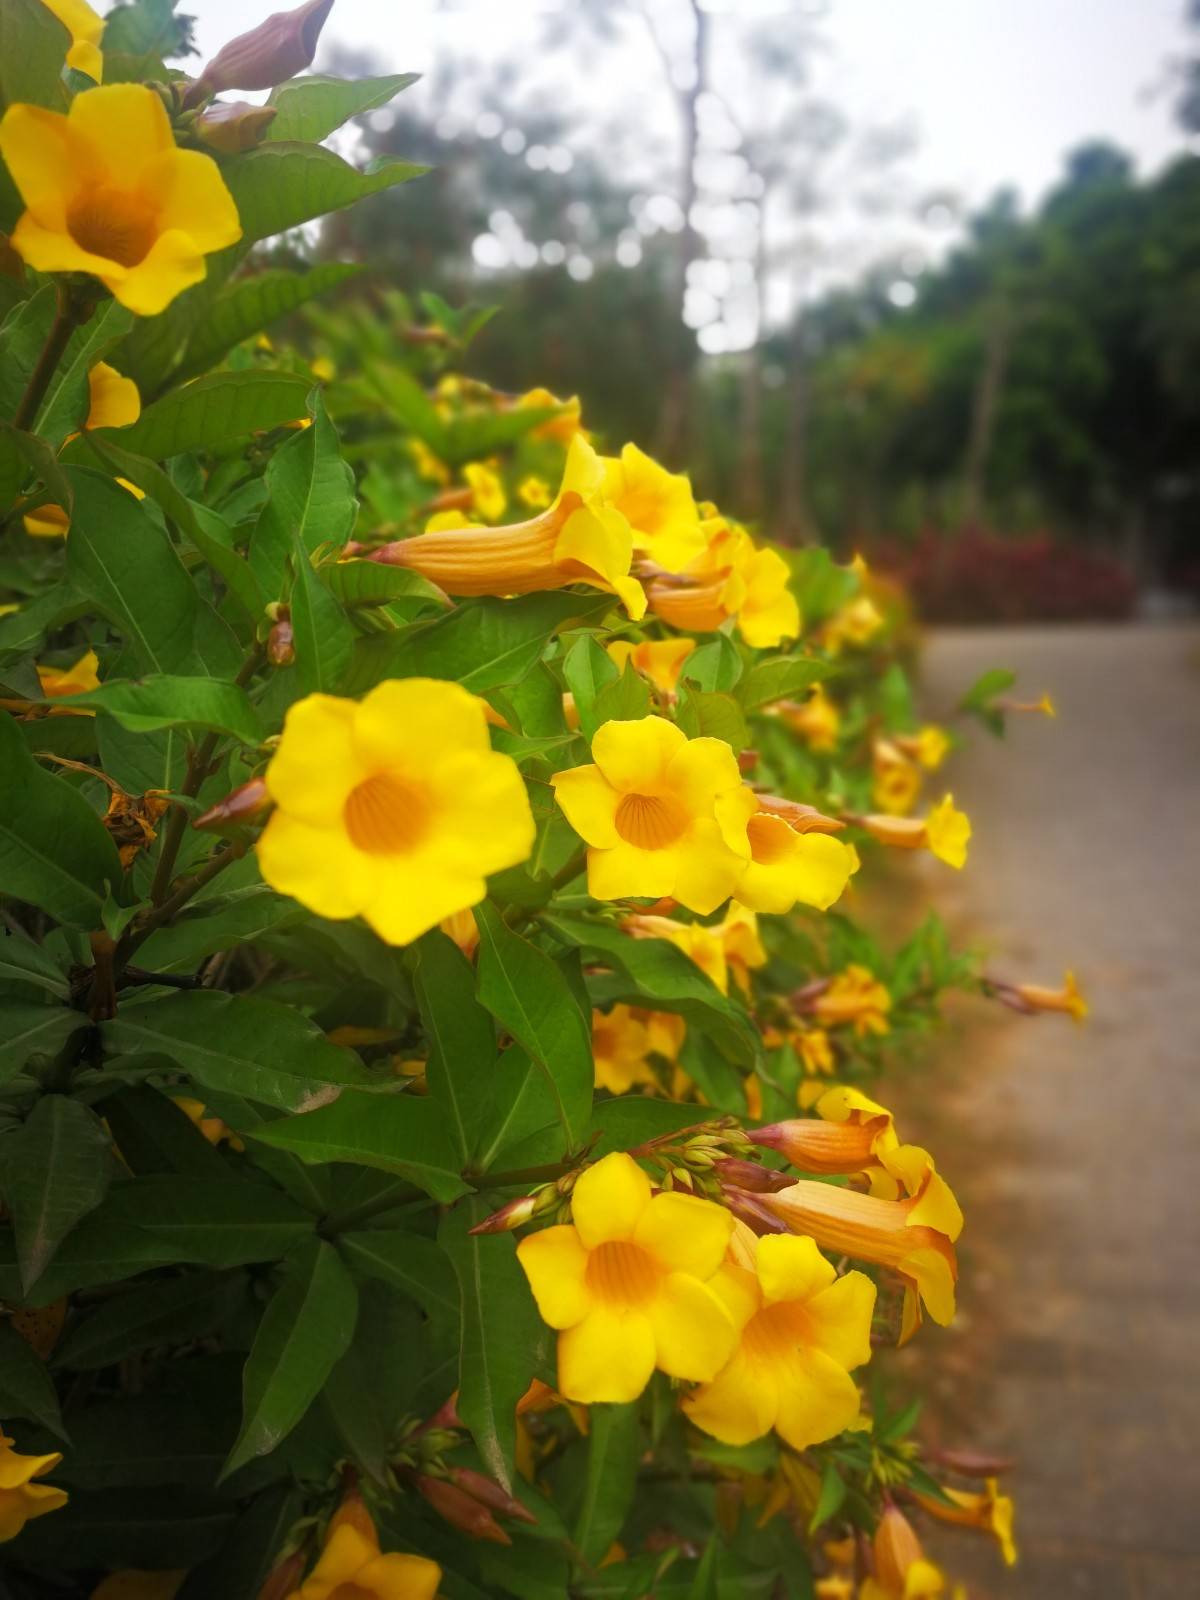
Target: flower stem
point(66, 320)
point(141, 929)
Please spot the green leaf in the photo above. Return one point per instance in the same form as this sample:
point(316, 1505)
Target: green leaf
point(501, 1334)
point(33, 49)
point(658, 973)
point(24, 456)
point(222, 1224)
point(126, 565)
point(144, 705)
point(279, 186)
point(54, 851)
point(28, 1030)
point(820, 586)
point(588, 669)
point(310, 501)
point(830, 1499)
point(154, 1135)
point(219, 409)
point(626, 700)
point(309, 109)
point(403, 1134)
point(529, 995)
point(239, 1044)
point(25, 329)
point(214, 923)
point(23, 632)
point(56, 1168)
point(155, 1528)
point(482, 644)
point(715, 665)
point(25, 1386)
point(630, 1120)
point(408, 1262)
point(368, 1392)
point(614, 1445)
point(25, 962)
point(65, 406)
point(305, 1330)
point(324, 639)
point(371, 583)
point(246, 1558)
point(462, 1038)
point(711, 716)
point(176, 1311)
point(254, 302)
point(781, 678)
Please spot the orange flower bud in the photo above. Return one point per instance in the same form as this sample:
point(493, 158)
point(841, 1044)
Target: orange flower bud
point(243, 804)
point(489, 1494)
point(461, 1510)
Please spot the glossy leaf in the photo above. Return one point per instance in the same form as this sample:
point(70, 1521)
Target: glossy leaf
point(144, 705)
point(614, 1444)
point(219, 409)
point(56, 1168)
point(462, 1038)
point(175, 1311)
point(251, 303)
point(279, 186)
point(25, 1386)
point(781, 678)
point(313, 107)
point(30, 1029)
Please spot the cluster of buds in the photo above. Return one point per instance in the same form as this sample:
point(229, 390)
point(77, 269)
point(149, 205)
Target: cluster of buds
point(547, 1200)
point(468, 1500)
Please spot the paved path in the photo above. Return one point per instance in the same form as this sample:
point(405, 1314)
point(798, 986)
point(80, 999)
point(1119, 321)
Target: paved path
point(1076, 1151)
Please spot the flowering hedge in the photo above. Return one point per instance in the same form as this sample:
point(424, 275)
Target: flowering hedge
point(437, 1126)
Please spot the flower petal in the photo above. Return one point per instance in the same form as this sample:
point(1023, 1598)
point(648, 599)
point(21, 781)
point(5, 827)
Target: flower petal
point(174, 263)
point(790, 1267)
point(708, 871)
point(589, 803)
point(608, 1357)
point(628, 872)
point(609, 1199)
point(42, 160)
point(634, 756)
point(123, 127)
point(817, 1399)
point(685, 1233)
point(740, 1404)
point(694, 1335)
point(316, 764)
point(555, 1262)
point(700, 771)
point(315, 865)
point(840, 1319)
point(405, 720)
point(192, 197)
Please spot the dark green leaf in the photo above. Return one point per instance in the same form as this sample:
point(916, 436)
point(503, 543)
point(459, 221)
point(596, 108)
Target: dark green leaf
point(143, 705)
point(529, 995)
point(409, 1262)
point(311, 108)
point(214, 1224)
point(715, 665)
point(829, 1501)
point(462, 1038)
point(632, 1119)
point(246, 1558)
point(161, 1314)
point(216, 923)
point(155, 1528)
point(25, 962)
point(403, 1134)
point(305, 1330)
point(33, 48)
point(26, 327)
point(501, 1334)
point(711, 716)
point(324, 639)
point(154, 1135)
point(24, 456)
point(28, 1030)
point(371, 583)
point(253, 302)
point(627, 699)
point(588, 669)
point(219, 409)
point(25, 1386)
point(240, 1044)
point(614, 1444)
point(55, 1168)
point(65, 406)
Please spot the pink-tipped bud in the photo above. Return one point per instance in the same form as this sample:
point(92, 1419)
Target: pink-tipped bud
point(748, 1209)
point(752, 1176)
point(490, 1494)
point(272, 53)
point(241, 805)
point(234, 126)
point(513, 1215)
point(461, 1510)
point(284, 1579)
point(971, 1463)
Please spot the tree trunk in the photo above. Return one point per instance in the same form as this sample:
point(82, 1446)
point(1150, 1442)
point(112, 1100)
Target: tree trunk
point(984, 407)
point(750, 489)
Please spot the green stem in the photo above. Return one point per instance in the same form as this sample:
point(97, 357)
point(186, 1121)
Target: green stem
point(66, 320)
point(520, 1176)
point(397, 1194)
point(141, 930)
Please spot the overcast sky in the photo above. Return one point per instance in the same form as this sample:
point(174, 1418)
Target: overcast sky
point(999, 89)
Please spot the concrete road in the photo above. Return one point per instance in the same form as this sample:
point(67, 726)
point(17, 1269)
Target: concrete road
point(1076, 1150)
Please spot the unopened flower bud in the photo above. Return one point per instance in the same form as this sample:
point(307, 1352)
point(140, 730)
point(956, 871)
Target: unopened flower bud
point(281, 643)
point(799, 817)
point(752, 1175)
point(971, 1463)
point(283, 1579)
point(243, 804)
point(461, 1510)
point(234, 126)
point(272, 53)
point(514, 1214)
point(490, 1494)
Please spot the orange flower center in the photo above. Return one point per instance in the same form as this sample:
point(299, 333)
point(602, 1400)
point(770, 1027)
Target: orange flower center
point(385, 816)
point(774, 1332)
point(650, 821)
point(770, 840)
point(112, 223)
point(353, 1591)
point(621, 1274)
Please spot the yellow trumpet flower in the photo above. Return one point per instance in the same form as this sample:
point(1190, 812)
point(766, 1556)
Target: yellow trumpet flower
point(783, 865)
point(626, 1285)
point(660, 660)
point(351, 1564)
point(817, 720)
point(901, 1570)
point(945, 832)
point(395, 809)
point(730, 579)
point(86, 28)
point(21, 1500)
point(857, 997)
point(487, 490)
point(107, 192)
point(988, 1510)
point(1068, 999)
point(801, 1330)
point(647, 809)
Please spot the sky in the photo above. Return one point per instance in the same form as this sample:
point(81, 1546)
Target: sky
point(998, 90)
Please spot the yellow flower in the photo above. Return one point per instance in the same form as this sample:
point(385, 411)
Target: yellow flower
point(625, 1283)
point(113, 401)
point(945, 832)
point(323, 369)
point(817, 720)
point(660, 660)
point(730, 579)
point(562, 428)
point(901, 1570)
point(107, 192)
point(487, 491)
point(903, 1235)
point(700, 944)
point(855, 996)
point(814, 1049)
point(657, 504)
point(79, 679)
point(782, 865)
point(647, 808)
point(897, 782)
point(1067, 999)
point(352, 1568)
point(801, 1329)
point(740, 942)
point(213, 1128)
point(578, 539)
point(856, 623)
point(133, 1583)
point(427, 464)
point(86, 29)
point(620, 1047)
point(394, 809)
point(534, 492)
point(21, 1500)
point(988, 1510)
point(52, 522)
point(930, 745)
point(463, 929)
